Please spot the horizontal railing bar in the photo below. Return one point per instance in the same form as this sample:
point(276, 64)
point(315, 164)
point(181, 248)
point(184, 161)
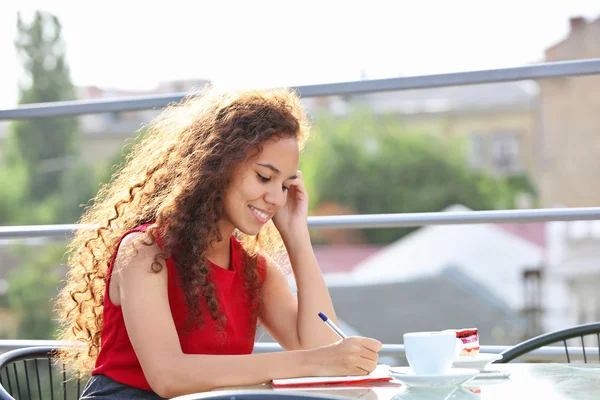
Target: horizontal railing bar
point(547, 353)
point(367, 221)
point(537, 71)
point(35, 231)
point(13, 344)
point(79, 107)
point(370, 221)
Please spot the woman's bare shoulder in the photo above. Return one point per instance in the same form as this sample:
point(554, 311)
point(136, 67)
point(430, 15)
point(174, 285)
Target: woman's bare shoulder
point(137, 250)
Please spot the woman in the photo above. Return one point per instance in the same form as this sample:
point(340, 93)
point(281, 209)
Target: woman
point(164, 296)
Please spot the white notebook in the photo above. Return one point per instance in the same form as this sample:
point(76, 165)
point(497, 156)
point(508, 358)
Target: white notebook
point(381, 373)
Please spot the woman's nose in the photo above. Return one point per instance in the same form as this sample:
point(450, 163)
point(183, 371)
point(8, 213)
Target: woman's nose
point(276, 197)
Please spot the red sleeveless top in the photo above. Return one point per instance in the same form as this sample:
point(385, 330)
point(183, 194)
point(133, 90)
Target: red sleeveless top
point(117, 358)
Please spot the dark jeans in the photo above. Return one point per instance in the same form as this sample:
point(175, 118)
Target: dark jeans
point(101, 387)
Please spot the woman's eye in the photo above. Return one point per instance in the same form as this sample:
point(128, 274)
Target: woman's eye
point(263, 178)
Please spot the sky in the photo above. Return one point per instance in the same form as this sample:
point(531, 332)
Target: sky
point(135, 45)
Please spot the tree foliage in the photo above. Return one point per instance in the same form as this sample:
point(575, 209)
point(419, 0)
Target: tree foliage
point(42, 178)
point(375, 164)
point(45, 146)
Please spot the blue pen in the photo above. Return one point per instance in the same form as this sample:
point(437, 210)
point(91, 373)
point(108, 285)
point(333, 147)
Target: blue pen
point(332, 325)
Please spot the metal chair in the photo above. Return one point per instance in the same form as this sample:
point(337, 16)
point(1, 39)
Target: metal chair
point(257, 395)
point(537, 342)
point(33, 373)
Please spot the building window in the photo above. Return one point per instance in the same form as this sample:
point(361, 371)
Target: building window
point(505, 152)
point(477, 150)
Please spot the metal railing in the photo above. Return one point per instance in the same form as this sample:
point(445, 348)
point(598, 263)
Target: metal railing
point(366, 221)
point(540, 71)
point(544, 354)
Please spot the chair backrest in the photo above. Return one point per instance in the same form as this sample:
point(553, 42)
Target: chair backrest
point(576, 332)
point(33, 373)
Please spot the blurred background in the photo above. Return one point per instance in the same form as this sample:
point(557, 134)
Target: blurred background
point(513, 145)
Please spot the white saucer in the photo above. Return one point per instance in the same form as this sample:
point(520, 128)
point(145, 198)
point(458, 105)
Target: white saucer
point(478, 361)
point(454, 393)
point(454, 377)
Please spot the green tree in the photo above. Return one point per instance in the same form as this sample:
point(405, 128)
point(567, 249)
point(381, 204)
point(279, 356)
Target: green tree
point(375, 164)
point(117, 161)
point(32, 288)
point(44, 146)
point(13, 180)
point(49, 182)
point(45, 181)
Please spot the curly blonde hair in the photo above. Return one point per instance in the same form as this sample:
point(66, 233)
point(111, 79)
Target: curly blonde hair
point(175, 179)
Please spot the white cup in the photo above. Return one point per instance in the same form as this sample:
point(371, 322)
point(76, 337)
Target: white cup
point(431, 353)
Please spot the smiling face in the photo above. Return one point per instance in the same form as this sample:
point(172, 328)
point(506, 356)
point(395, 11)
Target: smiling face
point(259, 187)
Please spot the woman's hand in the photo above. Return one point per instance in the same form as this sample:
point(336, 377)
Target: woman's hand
point(352, 356)
point(291, 219)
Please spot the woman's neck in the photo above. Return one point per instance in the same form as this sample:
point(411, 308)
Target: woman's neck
point(219, 252)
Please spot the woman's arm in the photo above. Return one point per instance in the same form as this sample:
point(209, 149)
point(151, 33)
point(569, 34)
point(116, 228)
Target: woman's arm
point(297, 323)
point(293, 321)
point(313, 295)
point(143, 296)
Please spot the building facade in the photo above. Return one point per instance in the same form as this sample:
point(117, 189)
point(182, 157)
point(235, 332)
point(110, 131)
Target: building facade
point(570, 111)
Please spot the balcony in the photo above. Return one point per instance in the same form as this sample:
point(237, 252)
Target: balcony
point(447, 275)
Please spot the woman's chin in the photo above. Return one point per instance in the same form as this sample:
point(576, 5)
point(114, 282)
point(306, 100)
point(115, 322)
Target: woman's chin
point(250, 230)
